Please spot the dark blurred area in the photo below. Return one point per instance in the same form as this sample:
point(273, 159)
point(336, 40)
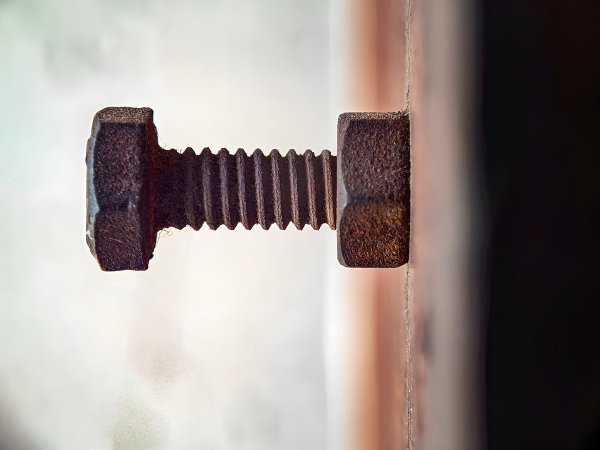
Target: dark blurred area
point(540, 108)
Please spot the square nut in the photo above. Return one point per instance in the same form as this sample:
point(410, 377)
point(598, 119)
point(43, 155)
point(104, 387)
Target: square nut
point(373, 205)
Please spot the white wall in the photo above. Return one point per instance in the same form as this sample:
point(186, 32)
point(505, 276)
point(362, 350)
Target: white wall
point(220, 344)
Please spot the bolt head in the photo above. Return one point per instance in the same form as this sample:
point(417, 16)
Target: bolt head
point(120, 229)
point(373, 212)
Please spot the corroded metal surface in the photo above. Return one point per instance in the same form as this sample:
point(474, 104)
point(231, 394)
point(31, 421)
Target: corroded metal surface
point(373, 189)
point(227, 189)
point(135, 188)
point(120, 231)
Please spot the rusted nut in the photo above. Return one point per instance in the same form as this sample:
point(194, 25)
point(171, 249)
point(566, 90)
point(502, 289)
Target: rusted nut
point(120, 230)
point(373, 202)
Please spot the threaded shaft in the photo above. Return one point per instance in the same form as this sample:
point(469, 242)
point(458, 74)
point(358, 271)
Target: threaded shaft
point(227, 189)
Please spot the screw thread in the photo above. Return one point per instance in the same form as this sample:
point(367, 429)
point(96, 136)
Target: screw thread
point(227, 189)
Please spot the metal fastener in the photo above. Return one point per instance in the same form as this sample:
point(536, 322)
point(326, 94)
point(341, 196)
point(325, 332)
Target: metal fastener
point(373, 189)
point(135, 188)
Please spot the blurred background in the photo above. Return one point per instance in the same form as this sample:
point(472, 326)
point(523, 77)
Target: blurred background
point(232, 339)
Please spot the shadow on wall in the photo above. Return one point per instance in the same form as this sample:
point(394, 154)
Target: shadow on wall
point(12, 433)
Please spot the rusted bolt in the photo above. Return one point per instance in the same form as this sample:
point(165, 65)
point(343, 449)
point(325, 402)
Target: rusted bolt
point(135, 188)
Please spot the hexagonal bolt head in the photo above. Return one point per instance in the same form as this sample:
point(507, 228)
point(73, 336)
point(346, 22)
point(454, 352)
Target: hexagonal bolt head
point(373, 216)
point(120, 227)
